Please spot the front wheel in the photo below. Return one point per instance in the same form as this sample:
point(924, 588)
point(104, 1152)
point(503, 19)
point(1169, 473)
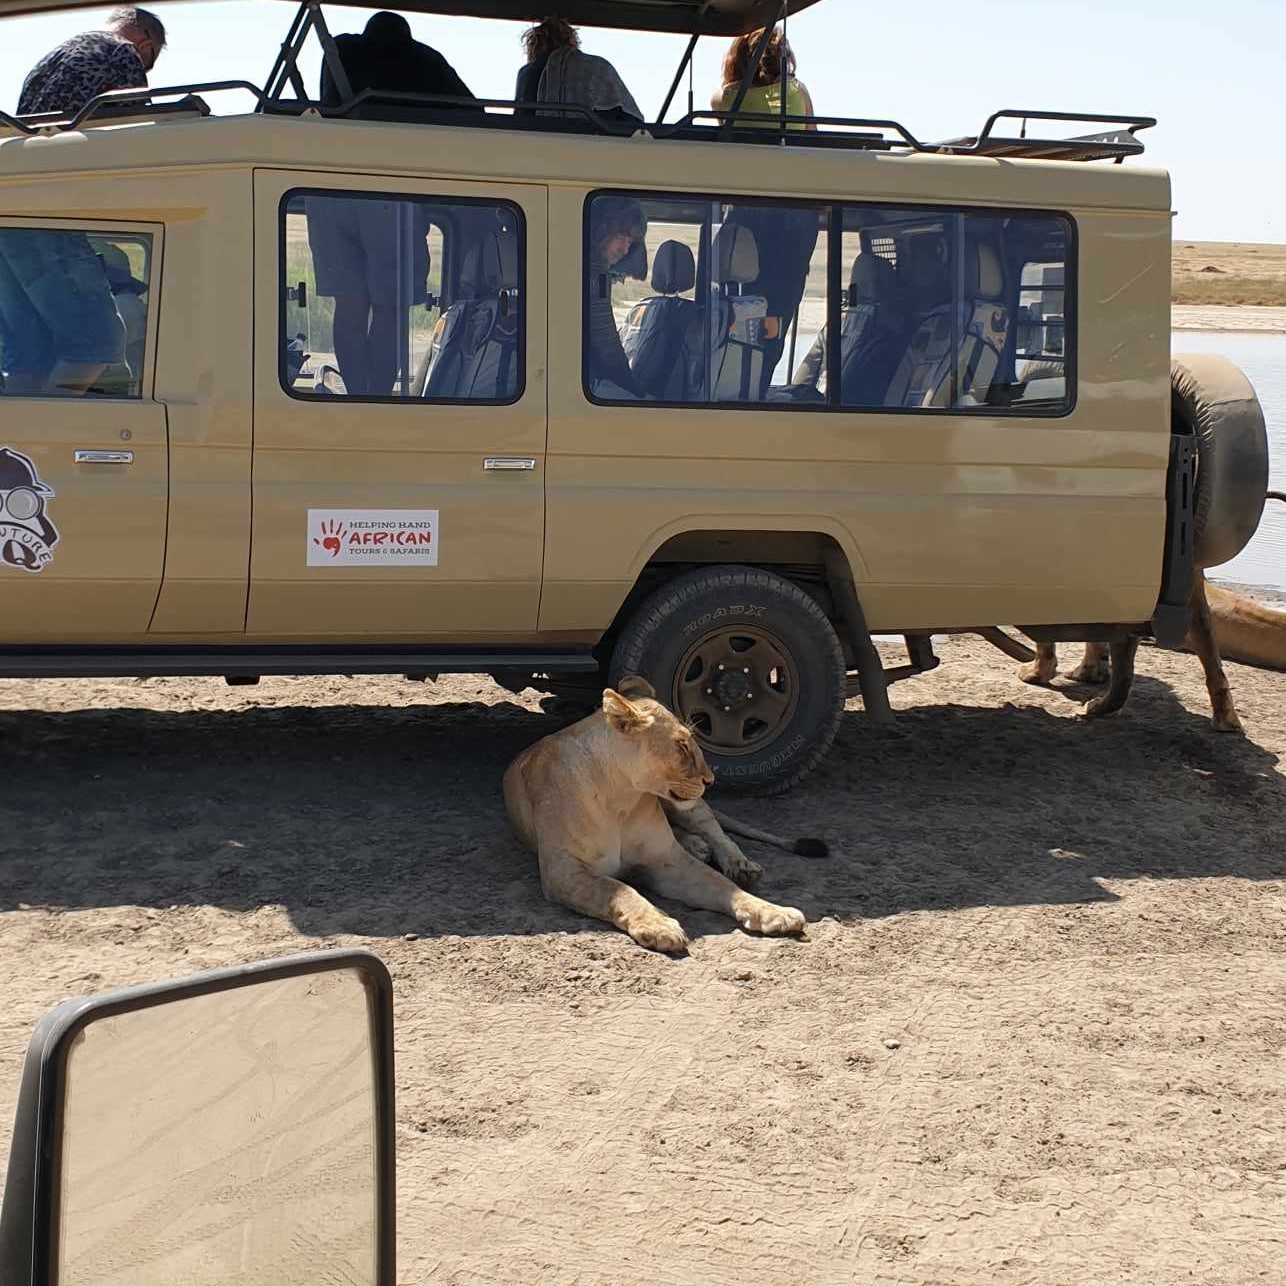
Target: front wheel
point(751, 662)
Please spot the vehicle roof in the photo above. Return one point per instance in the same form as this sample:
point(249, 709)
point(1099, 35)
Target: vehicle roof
point(705, 17)
point(457, 152)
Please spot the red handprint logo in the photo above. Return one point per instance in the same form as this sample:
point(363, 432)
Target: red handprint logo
point(331, 538)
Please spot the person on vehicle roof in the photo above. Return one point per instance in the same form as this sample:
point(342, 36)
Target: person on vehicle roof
point(93, 63)
point(617, 224)
point(385, 56)
point(559, 71)
point(764, 94)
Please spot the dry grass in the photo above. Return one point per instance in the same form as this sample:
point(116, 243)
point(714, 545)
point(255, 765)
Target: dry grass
point(1229, 272)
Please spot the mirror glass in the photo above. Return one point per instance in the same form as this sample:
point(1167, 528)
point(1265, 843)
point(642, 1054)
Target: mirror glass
point(224, 1138)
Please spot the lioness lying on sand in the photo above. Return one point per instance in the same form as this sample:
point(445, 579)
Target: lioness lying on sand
point(592, 802)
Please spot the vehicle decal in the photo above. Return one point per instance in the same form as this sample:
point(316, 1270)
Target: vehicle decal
point(373, 537)
point(27, 533)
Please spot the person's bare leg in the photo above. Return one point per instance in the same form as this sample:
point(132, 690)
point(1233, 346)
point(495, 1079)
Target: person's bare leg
point(381, 350)
point(1094, 666)
point(1201, 635)
point(676, 874)
point(1115, 697)
point(350, 326)
point(1044, 667)
point(566, 879)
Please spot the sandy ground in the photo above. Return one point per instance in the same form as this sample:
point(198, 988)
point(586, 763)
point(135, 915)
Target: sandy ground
point(1074, 933)
point(1224, 317)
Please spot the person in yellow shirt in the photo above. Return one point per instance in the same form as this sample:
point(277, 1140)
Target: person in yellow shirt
point(765, 90)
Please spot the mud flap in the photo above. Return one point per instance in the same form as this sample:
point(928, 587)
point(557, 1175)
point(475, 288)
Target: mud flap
point(1170, 620)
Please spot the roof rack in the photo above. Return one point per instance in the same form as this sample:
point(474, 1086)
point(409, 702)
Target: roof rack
point(1108, 145)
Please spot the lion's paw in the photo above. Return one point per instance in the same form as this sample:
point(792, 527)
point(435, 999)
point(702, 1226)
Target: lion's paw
point(738, 867)
point(1099, 672)
point(1038, 672)
point(775, 921)
point(1100, 708)
point(659, 933)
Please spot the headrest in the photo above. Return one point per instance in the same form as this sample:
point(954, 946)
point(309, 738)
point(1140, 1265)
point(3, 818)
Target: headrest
point(674, 269)
point(491, 265)
point(874, 280)
point(736, 255)
point(987, 271)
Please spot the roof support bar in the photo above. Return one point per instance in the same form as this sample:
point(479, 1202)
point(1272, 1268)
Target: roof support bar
point(678, 76)
point(285, 70)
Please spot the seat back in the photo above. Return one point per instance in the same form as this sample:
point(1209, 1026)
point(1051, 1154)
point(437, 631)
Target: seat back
point(874, 331)
point(656, 333)
point(736, 319)
point(475, 344)
point(979, 323)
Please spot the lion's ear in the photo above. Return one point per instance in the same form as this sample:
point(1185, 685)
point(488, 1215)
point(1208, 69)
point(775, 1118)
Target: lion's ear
point(624, 715)
point(635, 685)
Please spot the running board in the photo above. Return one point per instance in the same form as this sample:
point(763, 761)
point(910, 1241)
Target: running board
point(244, 663)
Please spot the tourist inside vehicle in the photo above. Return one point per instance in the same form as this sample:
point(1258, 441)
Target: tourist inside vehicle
point(617, 226)
point(764, 94)
point(559, 71)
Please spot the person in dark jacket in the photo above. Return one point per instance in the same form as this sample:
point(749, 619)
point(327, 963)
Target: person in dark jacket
point(616, 225)
point(386, 56)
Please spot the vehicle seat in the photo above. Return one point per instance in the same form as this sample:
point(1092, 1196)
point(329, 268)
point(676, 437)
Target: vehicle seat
point(656, 332)
point(736, 319)
point(924, 375)
point(475, 343)
point(875, 331)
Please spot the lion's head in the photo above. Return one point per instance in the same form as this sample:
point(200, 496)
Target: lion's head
point(658, 751)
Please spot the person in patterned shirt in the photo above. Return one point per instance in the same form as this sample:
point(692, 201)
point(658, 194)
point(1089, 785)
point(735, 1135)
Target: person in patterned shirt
point(94, 63)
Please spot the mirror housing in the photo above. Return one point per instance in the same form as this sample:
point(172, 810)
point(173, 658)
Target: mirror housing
point(235, 1125)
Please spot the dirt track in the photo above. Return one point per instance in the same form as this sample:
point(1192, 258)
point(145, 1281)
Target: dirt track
point(1074, 931)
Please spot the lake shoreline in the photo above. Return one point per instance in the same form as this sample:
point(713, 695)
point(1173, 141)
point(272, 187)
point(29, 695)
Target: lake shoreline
point(1228, 318)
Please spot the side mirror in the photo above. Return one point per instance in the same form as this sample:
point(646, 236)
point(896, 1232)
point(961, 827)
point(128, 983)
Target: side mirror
point(232, 1126)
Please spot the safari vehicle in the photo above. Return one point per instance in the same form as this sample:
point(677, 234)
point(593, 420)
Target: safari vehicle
point(859, 383)
point(235, 1126)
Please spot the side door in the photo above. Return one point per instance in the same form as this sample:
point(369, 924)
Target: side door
point(84, 468)
point(400, 408)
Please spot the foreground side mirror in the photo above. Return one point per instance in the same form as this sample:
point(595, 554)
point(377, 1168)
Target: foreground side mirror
point(236, 1126)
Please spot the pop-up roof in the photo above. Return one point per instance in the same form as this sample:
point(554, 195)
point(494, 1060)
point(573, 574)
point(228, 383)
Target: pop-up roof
point(704, 17)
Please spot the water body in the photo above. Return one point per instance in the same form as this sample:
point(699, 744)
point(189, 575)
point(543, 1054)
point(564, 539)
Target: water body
point(1263, 357)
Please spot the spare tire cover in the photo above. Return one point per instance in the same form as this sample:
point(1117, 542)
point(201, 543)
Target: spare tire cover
point(1213, 400)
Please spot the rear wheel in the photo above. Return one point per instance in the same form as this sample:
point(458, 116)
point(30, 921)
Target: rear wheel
point(751, 662)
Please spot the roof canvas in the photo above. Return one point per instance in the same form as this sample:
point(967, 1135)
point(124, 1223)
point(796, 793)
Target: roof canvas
point(706, 17)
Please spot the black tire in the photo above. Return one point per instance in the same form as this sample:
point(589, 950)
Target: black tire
point(672, 635)
point(1215, 402)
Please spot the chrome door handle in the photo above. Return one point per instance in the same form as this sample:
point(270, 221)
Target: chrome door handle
point(104, 457)
point(509, 463)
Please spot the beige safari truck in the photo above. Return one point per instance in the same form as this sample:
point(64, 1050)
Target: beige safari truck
point(365, 381)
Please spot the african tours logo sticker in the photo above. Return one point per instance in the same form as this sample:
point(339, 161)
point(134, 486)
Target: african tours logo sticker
point(372, 537)
point(27, 534)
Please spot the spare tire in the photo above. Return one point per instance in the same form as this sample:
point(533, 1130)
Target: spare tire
point(1212, 400)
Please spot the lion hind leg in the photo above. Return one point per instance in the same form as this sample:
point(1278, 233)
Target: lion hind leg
point(701, 824)
point(1094, 667)
point(1202, 636)
point(675, 873)
point(1118, 692)
point(1044, 667)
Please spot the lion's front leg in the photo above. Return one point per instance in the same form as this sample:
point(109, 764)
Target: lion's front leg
point(1043, 668)
point(567, 879)
point(698, 829)
point(675, 873)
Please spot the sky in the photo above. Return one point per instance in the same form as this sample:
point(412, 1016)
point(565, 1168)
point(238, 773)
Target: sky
point(1210, 70)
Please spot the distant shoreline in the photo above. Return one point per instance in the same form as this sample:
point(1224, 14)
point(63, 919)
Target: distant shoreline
point(1249, 318)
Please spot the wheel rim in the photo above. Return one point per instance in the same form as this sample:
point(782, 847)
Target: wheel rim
point(737, 688)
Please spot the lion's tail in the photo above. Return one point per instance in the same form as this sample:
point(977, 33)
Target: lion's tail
point(804, 847)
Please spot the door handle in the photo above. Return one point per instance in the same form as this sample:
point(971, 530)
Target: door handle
point(104, 457)
point(509, 463)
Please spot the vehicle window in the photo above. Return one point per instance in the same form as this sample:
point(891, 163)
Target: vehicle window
point(699, 301)
point(387, 297)
point(73, 312)
point(953, 311)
